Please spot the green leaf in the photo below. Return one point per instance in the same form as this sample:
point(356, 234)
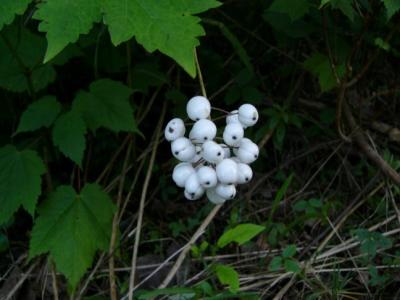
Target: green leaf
point(301, 205)
point(392, 7)
point(315, 202)
point(168, 26)
point(64, 20)
point(240, 234)
point(279, 135)
point(372, 241)
point(69, 136)
point(4, 243)
point(106, 105)
point(72, 227)
point(20, 181)
point(289, 251)
point(291, 266)
point(166, 291)
point(235, 42)
point(10, 8)
point(320, 67)
point(344, 5)
point(296, 9)
point(41, 113)
point(275, 264)
point(21, 54)
point(283, 24)
point(375, 278)
point(147, 75)
point(323, 2)
point(227, 275)
point(279, 196)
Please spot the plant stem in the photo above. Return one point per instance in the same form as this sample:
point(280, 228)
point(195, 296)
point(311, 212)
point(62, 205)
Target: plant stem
point(111, 262)
point(142, 202)
point(201, 81)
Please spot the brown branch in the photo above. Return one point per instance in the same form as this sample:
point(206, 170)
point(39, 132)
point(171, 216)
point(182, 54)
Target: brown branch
point(142, 202)
point(115, 224)
point(359, 138)
point(189, 245)
point(392, 132)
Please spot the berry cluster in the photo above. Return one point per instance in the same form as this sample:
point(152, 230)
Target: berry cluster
point(208, 166)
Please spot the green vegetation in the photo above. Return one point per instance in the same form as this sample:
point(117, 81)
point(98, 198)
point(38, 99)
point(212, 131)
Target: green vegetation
point(88, 209)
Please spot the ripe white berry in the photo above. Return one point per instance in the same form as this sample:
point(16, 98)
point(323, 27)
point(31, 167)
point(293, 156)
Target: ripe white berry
point(198, 156)
point(207, 177)
point(193, 189)
point(227, 171)
point(227, 151)
point(209, 167)
point(245, 173)
point(214, 197)
point(248, 115)
point(183, 149)
point(181, 173)
point(198, 108)
point(174, 129)
point(247, 152)
point(203, 130)
point(233, 133)
point(226, 191)
point(193, 196)
point(212, 152)
point(232, 117)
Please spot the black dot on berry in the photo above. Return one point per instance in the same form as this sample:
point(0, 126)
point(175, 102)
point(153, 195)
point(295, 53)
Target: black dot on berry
point(254, 118)
point(205, 138)
point(197, 119)
point(255, 155)
point(234, 137)
point(171, 130)
point(247, 179)
point(207, 183)
point(219, 154)
point(192, 194)
point(176, 152)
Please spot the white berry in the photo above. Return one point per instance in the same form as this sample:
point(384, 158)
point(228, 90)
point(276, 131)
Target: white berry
point(212, 152)
point(183, 149)
point(174, 129)
point(193, 196)
point(248, 114)
point(197, 156)
point(233, 117)
point(233, 134)
point(214, 197)
point(226, 191)
point(247, 152)
point(227, 171)
point(207, 177)
point(198, 108)
point(203, 130)
point(245, 173)
point(227, 150)
point(193, 188)
point(181, 173)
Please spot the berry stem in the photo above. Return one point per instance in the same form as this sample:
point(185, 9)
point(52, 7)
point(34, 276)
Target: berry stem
point(201, 81)
point(197, 163)
point(221, 110)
